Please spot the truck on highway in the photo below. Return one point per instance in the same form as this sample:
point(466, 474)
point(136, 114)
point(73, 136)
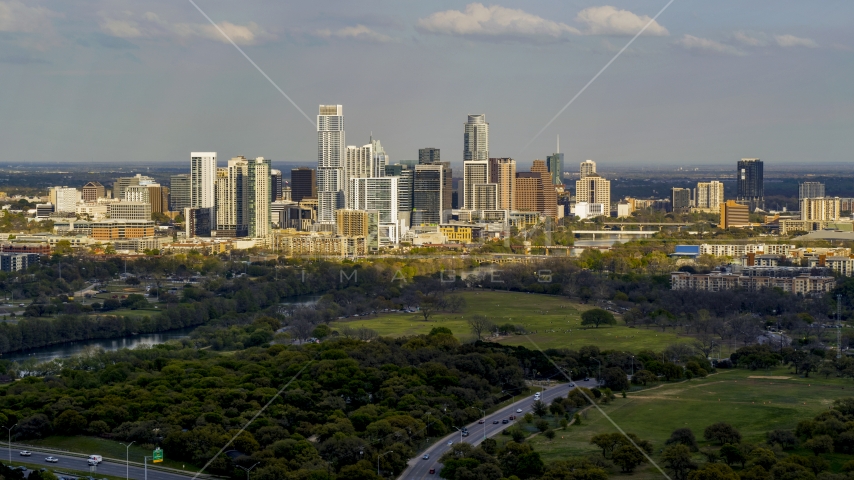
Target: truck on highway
point(95, 459)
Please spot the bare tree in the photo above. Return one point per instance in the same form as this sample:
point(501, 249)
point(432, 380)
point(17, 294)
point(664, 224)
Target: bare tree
point(479, 325)
point(302, 329)
point(705, 343)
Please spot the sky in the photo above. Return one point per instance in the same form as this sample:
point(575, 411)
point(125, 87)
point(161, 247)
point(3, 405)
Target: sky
point(708, 82)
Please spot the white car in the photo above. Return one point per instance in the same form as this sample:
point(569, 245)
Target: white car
point(518, 410)
point(25, 453)
point(51, 459)
point(450, 443)
point(426, 457)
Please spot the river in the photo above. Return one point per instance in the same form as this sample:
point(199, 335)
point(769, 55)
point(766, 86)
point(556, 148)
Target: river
point(65, 350)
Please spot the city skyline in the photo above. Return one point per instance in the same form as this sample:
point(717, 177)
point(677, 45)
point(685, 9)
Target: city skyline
point(100, 81)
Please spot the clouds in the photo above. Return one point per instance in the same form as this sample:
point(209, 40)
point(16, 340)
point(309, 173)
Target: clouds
point(793, 41)
point(359, 32)
point(15, 16)
point(758, 40)
point(150, 25)
point(706, 46)
point(497, 22)
point(494, 22)
point(607, 20)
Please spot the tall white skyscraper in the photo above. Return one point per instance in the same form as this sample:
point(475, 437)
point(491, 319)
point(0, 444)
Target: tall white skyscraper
point(476, 140)
point(709, 195)
point(203, 179)
point(474, 173)
point(380, 158)
point(330, 163)
point(588, 167)
point(358, 163)
point(231, 202)
point(259, 197)
point(65, 199)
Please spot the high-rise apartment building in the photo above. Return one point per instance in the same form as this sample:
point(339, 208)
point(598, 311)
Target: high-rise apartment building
point(275, 185)
point(92, 191)
point(475, 172)
point(709, 195)
point(428, 155)
point(202, 179)
point(405, 178)
point(380, 158)
point(429, 190)
point(358, 163)
point(549, 192)
point(64, 199)
point(232, 205)
point(179, 190)
point(554, 162)
point(378, 193)
point(331, 184)
point(476, 139)
point(593, 189)
point(751, 183)
point(810, 190)
point(303, 183)
point(352, 223)
point(821, 209)
point(680, 199)
point(588, 167)
point(502, 172)
point(486, 196)
point(529, 192)
point(258, 186)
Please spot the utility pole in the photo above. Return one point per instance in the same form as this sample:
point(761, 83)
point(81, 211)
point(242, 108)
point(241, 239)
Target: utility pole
point(378, 460)
point(247, 470)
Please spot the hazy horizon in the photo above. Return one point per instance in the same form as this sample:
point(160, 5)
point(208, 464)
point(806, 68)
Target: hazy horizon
point(706, 83)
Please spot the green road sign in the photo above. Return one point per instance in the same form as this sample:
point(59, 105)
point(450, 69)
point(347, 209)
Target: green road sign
point(157, 456)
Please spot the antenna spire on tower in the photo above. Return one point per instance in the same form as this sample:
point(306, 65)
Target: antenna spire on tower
point(558, 143)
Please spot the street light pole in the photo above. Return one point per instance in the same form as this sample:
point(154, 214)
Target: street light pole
point(483, 412)
point(247, 470)
point(127, 460)
point(145, 466)
point(9, 431)
point(461, 435)
point(633, 366)
point(378, 460)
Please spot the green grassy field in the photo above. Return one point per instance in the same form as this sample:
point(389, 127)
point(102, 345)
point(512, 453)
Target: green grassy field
point(556, 321)
point(753, 405)
point(104, 447)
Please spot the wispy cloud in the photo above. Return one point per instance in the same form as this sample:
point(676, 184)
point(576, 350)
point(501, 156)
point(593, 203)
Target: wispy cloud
point(15, 16)
point(608, 20)
point(150, 25)
point(495, 22)
point(793, 41)
point(705, 46)
point(751, 40)
point(359, 32)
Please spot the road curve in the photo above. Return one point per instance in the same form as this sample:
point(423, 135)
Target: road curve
point(420, 469)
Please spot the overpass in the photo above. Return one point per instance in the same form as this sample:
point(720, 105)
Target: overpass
point(617, 233)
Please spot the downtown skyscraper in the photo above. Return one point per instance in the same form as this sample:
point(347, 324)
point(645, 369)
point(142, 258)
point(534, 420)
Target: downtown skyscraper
point(330, 163)
point(476, 163)
point(751, 183)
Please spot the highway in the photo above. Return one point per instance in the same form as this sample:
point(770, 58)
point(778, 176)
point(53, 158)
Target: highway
point(420, 469)
point(79, 463)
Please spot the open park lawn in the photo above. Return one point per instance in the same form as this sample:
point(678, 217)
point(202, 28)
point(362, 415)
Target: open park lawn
point(556, 321)
point(752, 404)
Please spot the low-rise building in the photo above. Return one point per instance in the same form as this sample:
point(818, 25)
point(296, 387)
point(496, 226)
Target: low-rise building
point(803, 284)
point(14, 262)
point(457, 233)
point(121, 229)
point(291, 242)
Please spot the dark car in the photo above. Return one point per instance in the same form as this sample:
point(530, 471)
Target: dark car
point(494, 422)
point(432, 471)
point(586, 379)
point(505, 421)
